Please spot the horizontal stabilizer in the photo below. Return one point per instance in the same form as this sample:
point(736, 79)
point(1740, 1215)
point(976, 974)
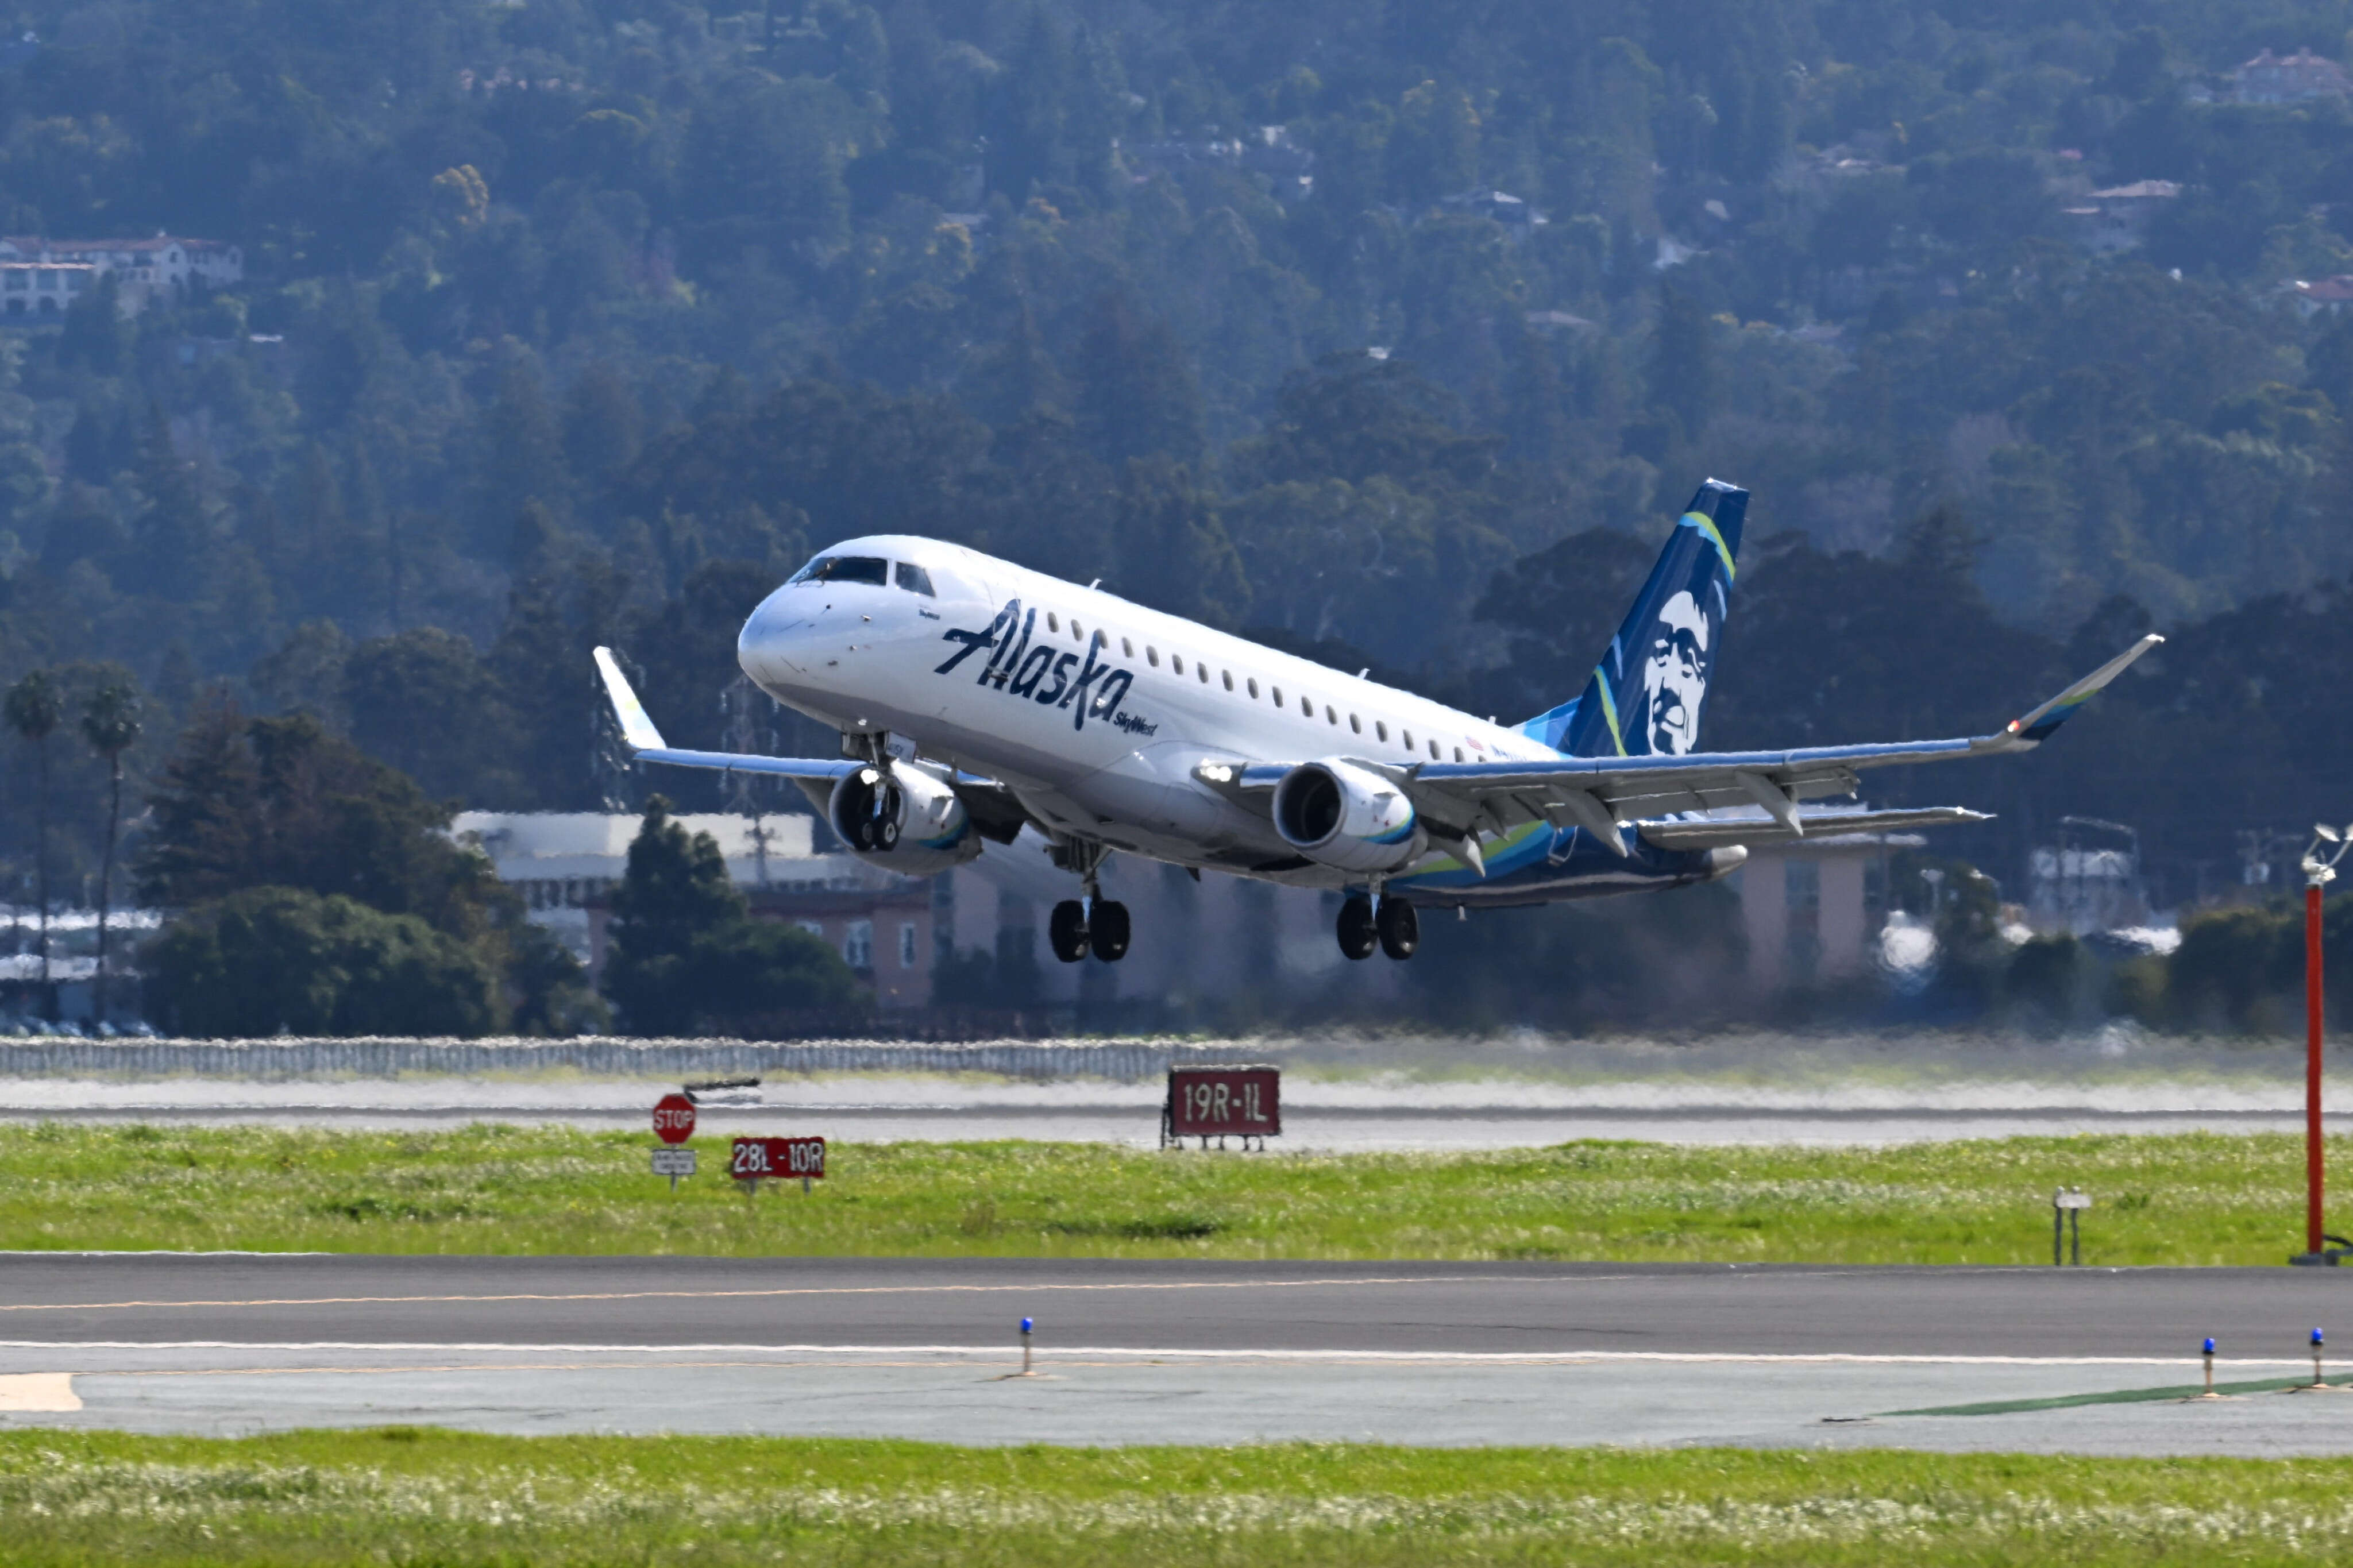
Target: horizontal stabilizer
point(1819, 826)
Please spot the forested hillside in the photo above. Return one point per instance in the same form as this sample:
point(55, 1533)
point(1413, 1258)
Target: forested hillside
point(1395, 331)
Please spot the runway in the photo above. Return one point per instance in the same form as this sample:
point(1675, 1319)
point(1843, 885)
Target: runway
point(1159, 1352)
point(1358, 1115)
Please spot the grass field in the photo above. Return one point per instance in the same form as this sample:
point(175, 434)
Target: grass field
point(420, 1496)
point(2188, 1199)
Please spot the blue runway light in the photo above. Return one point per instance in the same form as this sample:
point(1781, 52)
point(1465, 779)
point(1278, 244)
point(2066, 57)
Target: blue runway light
point(2210, 1345)
point(1028, 1324)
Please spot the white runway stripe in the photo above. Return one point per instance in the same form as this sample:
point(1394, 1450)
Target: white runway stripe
point(2189, 1366)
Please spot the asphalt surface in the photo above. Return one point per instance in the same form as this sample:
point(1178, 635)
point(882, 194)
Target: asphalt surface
point(1322, 1306)
point(1174, 1351)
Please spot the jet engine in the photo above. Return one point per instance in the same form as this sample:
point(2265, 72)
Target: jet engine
point(1345, 815)
point(903, 819)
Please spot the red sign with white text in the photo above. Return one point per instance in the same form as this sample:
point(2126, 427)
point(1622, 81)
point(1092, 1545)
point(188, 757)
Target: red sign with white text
point(1215, 1101)
point(758, 1158)
point(673, 1119)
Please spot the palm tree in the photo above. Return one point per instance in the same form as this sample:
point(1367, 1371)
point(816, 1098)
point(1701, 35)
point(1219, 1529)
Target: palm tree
point(111, 723)
point(34, 708)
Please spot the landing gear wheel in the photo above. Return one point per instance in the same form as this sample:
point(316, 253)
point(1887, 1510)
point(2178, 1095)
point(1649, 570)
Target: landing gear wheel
point(1358, 937)
point(1066, 930)
point(1107, 932)
point(1400, 927)
point(886, 834)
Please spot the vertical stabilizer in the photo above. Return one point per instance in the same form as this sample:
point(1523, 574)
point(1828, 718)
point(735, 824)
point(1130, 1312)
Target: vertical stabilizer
point(1644, 698)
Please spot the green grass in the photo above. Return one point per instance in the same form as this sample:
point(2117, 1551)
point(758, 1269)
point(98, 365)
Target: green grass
point(410, 1495)
point(2185, 1199)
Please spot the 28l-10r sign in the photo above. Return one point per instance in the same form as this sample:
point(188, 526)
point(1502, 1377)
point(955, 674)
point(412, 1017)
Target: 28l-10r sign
point(759, 1159)
point(1215, 1103)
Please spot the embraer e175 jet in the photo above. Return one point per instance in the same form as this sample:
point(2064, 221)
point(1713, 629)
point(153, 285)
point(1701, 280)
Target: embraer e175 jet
point(978, 701)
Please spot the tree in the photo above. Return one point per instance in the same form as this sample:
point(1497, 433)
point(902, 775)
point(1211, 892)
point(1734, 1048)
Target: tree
point(269, 959)
point(687, 955)
point(35, 709)
point(110, 725)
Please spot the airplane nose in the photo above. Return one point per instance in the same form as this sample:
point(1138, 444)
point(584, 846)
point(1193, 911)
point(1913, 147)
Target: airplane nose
point(772, 636)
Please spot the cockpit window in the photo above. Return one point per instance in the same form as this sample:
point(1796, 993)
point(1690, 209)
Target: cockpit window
point(915, 580)
point(845, 569)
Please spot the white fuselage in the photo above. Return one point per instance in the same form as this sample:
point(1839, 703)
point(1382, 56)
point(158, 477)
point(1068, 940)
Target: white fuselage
point(1096, 712)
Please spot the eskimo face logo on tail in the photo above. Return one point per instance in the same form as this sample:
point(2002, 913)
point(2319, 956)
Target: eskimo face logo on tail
point(1041, 674)
point(1674, 675)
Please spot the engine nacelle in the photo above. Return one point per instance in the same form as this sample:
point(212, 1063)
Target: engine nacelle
point(904, 820)
point(1347, 816)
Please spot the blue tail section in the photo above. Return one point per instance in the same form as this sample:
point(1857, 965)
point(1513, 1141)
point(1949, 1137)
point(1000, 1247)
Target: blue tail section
point(1645, 695)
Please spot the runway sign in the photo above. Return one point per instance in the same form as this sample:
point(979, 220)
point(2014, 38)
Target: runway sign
point(1215, 1102)
point(673, 1162)
point(759, 1158)
point(673, 1119)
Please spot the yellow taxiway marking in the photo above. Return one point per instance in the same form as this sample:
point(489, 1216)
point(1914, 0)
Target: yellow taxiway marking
point(781, 1291)
point(46, 1392)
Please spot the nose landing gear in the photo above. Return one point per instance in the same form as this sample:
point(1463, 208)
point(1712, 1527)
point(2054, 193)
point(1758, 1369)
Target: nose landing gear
point(1392, 925)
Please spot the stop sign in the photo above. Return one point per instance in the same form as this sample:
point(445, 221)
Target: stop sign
point(673, 1119)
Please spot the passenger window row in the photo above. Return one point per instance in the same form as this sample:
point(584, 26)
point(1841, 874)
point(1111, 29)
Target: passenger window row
point(1250, 683)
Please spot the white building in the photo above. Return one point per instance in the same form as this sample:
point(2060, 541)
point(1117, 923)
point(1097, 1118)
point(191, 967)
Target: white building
point(144, 270)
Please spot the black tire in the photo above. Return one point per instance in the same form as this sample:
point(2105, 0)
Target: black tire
point(1107, 932)
point(886, 833)
point(1400, 928)
point(1066, 930)
point(1358, 937)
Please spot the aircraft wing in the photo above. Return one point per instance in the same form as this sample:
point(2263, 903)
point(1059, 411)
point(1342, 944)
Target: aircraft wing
point(1604, 795)
point(994, 809)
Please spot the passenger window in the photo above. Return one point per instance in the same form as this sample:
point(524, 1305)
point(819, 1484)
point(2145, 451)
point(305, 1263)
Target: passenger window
point(1433, 751)
point(1150, 656)
point(1203, 671)
point(1406, 735)
point(1176, 663)
point(1230, 680)
point(1307, 706)
point(915, 580)
point(1253, 688)
point(1458, 754)
point(1126, 649)
point(872, 569)
point(1331, 715)
point(1380, 730)
point(1076, 635)
point(1354, 728)
point(1052, 624)
point(1277, 695)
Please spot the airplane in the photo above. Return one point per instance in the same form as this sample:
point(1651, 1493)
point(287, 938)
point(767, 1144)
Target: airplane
point(983, 704)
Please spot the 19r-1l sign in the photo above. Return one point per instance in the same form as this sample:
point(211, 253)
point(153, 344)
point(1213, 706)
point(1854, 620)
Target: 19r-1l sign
point(1222, 1102)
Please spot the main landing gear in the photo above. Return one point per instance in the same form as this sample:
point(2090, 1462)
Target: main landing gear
point(1392, 925)
point(1075, 929)
point(1093, 924)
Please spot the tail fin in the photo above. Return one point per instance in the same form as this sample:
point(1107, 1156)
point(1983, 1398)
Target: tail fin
point(1645, 695)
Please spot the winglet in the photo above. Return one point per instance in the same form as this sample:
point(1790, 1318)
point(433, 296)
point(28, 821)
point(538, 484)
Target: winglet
point(637, 729)
point(2037, 726)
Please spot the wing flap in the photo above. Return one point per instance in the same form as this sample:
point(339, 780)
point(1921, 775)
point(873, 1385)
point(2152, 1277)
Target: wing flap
point(1812, 826)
